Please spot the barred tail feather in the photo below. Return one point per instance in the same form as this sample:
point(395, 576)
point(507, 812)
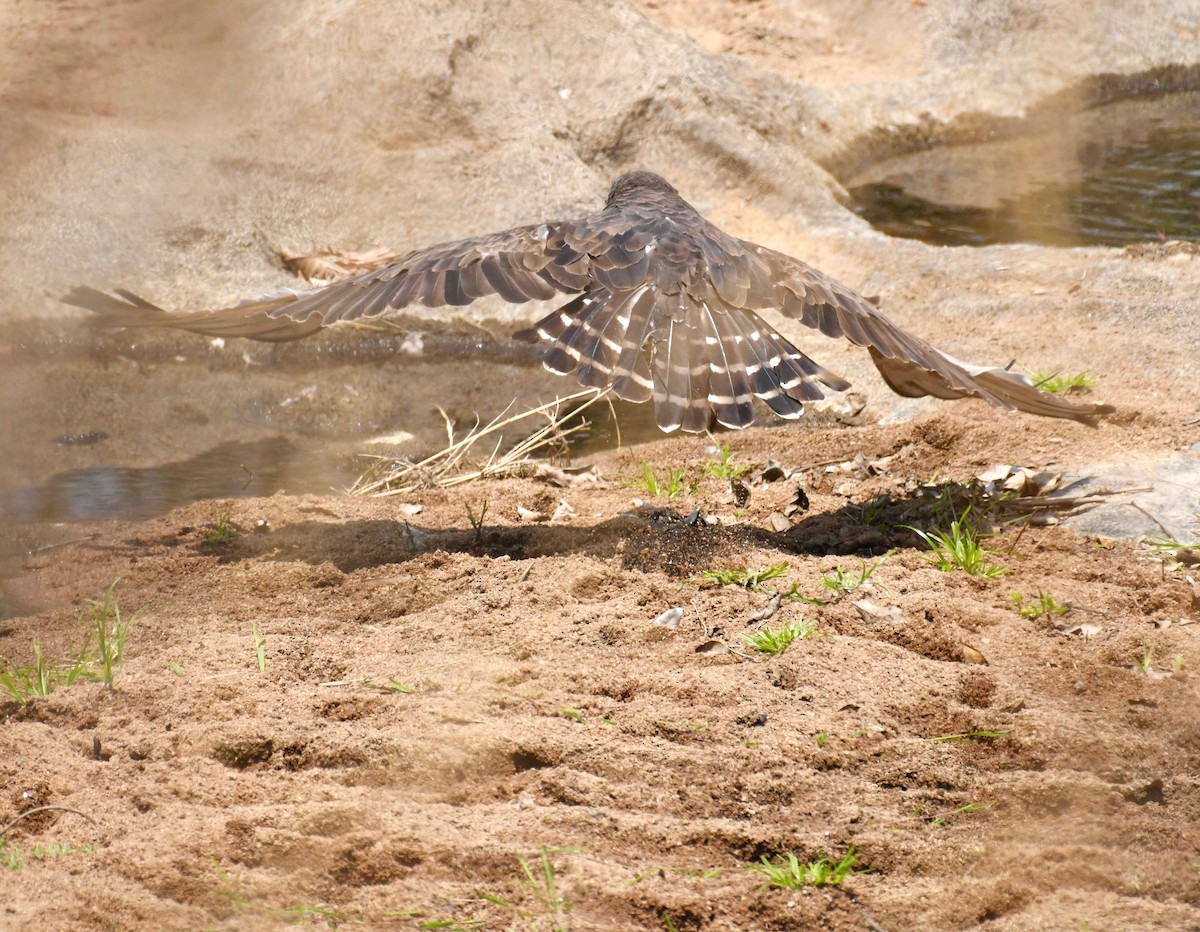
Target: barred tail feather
point(763, 355)
point(600, 338)
point(631, 379)
point(552, 329)
point(681, 377)
point(729, 392)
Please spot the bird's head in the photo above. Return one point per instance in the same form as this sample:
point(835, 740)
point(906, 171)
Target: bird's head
point(632, 183)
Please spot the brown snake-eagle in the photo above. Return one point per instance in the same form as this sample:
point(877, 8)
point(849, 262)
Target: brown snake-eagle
point(663, 307)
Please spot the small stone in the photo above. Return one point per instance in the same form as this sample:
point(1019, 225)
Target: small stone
point(669, 619)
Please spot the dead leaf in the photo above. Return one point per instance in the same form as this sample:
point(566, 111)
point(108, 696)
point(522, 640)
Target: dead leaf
point(778, 522)
point(773, 472)
point(768, 610)
point(566, 476)
point(528, 514)
point(841, 407)
point(994, 473)
point(798, 504)
point(972, 654)
point(1085, 629)
point(1188, 556)
point(1020, 480)
point(862, 468)
point(878, 614)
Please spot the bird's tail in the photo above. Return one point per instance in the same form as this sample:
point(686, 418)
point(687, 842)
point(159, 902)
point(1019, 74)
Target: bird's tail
point(701, 365)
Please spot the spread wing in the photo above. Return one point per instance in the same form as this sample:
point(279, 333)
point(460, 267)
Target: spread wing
point(909, 365)
point(664, 311)
point(523, 264)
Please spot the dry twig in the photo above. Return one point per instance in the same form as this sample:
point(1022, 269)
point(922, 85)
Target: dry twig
point(36, 809)
point(452, 465)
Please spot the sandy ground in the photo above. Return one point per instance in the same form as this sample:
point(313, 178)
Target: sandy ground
point(337, 711)
point(538, 708)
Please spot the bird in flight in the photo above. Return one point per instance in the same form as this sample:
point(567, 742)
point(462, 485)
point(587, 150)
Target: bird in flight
point(663, 308)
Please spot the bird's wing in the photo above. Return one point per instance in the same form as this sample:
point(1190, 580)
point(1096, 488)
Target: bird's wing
point(522, 264)
point(909, 365)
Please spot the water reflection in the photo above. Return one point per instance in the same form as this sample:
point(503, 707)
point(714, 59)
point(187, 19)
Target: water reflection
point(1121, 173)
point(256, 469)
point(231, 470)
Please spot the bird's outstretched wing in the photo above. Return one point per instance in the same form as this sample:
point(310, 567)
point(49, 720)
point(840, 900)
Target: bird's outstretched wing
point(664, 310)
point(909, 365)
point(522, 264)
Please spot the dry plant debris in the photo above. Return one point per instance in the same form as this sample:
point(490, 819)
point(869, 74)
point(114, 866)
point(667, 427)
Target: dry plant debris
point(456, 463)
point(333, 264)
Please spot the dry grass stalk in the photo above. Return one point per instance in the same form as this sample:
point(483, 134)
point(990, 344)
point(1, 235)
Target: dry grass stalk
point(334, 264)
point(453, 464)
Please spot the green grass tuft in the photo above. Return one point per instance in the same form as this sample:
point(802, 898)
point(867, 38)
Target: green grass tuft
point(776, 640)
point(223, 532)
point(1044, 605)
point(1175, 554)
point(110, 630)
point(959, 549)
point(539, 883)
point(788, 873)
point(841, 583)
point(98, 659)
point(1144, 664)
point(1063, 383)
point(674, 484)
point(743, 577)
point(727, 468)
point(393, 685)
point(971, 736)
point(14, 857)
point(961, 810)
point(260, 647)
point(301, 913)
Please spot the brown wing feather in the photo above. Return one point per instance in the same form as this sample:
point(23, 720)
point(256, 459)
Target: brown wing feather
point(907, 363)
point(521, 264)
point(249, 319)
